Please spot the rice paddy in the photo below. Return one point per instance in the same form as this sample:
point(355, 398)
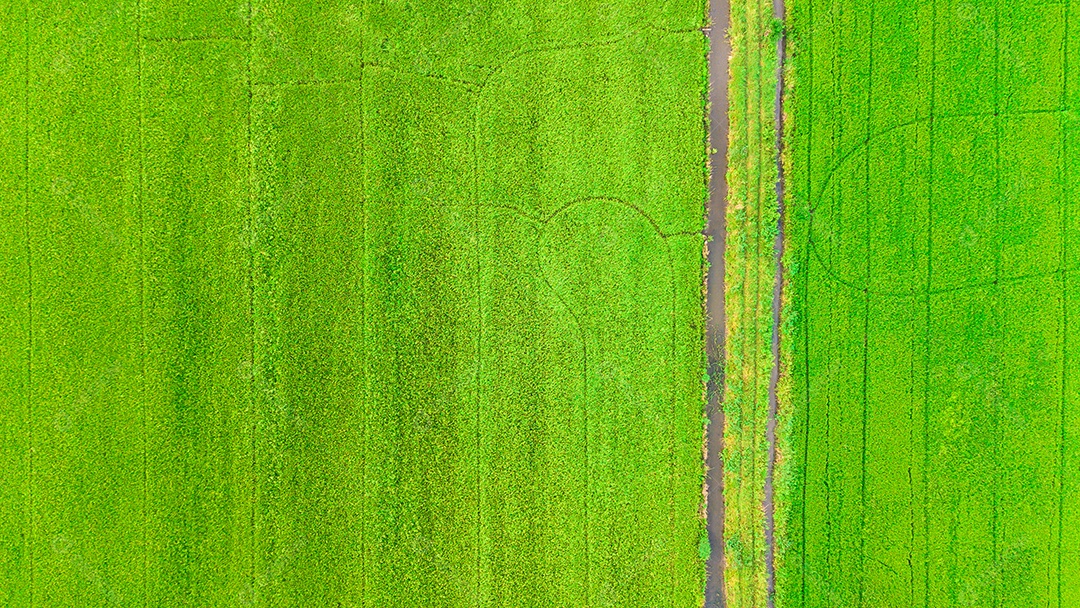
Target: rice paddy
point(381, 304)
point(336, 304)
point(929, 439)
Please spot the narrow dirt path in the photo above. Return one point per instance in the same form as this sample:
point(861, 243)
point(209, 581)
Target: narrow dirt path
point(716, 232)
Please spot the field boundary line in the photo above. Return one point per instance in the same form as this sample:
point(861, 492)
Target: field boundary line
point(29, 299)
point(995, 304)
point(929, 275)
point(479, 324)
point(1064, 293)
point(866, 319)
point(252, 407)
point(805, 298)
point(837, 135)
point(142, 306)
point(183, 39)
point(364, 264)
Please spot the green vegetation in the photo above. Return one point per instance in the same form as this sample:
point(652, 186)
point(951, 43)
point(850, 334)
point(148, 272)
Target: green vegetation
point(329, 304)
point(929, 445)
point(750, 275)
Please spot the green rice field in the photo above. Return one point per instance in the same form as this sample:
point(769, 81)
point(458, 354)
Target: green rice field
point(384, 304)
point(930, 430)
point(351, 304)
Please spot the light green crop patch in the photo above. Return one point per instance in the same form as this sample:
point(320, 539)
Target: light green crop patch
point(931, 336)
point(351, 304)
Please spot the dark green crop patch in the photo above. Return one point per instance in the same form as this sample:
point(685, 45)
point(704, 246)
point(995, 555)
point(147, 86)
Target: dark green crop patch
point(930, 446)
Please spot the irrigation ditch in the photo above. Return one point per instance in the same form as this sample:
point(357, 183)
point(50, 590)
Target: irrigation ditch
point(716, 330)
